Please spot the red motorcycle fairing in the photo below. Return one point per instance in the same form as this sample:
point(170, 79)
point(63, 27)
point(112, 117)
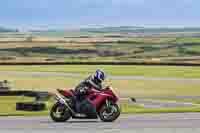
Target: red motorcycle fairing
point(98, 98)
point(95, 97)
point(66, 93)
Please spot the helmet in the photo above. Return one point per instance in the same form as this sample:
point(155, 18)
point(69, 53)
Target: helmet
point(99, 75)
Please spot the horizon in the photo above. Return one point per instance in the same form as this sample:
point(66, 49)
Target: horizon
point(95, 27)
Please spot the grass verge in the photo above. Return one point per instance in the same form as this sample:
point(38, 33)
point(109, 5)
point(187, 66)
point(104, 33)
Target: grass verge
point(147, 71)
point(124, 88)
point(161, 110)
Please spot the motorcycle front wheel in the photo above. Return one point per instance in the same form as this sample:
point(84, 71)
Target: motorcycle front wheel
point(109, 114)
point(60, 113)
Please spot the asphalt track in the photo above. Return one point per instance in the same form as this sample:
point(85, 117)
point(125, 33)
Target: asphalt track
point(162, 104)
point(145, 123)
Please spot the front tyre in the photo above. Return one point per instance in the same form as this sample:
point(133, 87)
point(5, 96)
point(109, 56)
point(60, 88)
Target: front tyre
point(60, 113)
point(109, 114)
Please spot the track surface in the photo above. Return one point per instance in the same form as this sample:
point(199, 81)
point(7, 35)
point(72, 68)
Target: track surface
point(126, 123)
point(162, 104)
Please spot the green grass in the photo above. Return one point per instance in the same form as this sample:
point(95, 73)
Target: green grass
point(124, 88)
point(8, 105)
point(147, 71)
point(161, 110)
point(129, 49)
point(188, 40)
point(194, 49)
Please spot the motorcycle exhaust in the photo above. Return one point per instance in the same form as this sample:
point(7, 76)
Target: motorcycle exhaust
point(62, 101)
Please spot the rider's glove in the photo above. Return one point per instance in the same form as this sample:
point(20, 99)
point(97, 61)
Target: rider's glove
point(83, 90)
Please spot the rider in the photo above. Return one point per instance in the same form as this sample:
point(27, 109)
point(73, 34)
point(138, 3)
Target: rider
point(93, 81)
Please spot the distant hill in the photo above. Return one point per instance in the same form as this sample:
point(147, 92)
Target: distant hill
point(2, 29)
point(112, 29)
point(135, 29)
point(119, 29)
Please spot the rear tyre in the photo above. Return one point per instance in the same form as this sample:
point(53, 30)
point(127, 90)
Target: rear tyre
point(60, 113)
point(109, 114)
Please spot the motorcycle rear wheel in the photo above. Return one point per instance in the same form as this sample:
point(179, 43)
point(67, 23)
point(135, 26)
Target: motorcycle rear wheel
point(60, 113)
point(106, 114)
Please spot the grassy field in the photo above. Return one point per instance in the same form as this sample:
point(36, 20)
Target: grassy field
point(100, 49)
point(124, 88)
point(147, 71)
point(188, 40)
point(8, 106)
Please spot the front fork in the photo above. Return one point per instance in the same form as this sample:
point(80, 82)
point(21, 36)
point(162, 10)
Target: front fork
point(109, 105)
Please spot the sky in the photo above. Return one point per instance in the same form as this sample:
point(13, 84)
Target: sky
point(90, 13)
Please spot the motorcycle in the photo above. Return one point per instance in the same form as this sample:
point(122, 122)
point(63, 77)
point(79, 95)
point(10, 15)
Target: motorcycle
point(97, 104)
